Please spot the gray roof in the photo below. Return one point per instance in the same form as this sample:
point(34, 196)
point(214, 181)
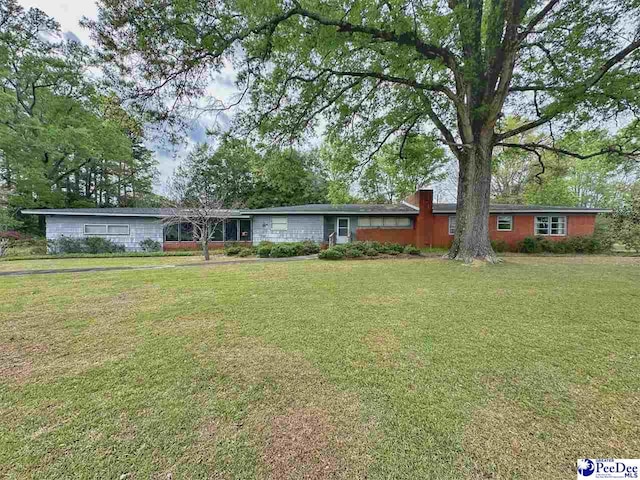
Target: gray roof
point(337, 209)
point(114, 212)
point(508, 208)
point(317, 209)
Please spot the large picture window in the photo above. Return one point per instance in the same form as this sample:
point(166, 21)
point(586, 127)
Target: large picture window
point(551, 225)
point(106, 229)
point(384, 222)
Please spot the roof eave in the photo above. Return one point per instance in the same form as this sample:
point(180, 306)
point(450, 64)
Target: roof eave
point(542, 210)
point(110, 214)
point(329, 213)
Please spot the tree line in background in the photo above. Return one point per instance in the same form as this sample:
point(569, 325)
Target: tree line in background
point(259, 177)
point(65, 140)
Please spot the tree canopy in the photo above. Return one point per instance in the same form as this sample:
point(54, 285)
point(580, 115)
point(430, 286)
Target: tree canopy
point(64, 141)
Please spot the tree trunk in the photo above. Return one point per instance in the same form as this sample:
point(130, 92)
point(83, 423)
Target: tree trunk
point(205, 248)
point(471, 239)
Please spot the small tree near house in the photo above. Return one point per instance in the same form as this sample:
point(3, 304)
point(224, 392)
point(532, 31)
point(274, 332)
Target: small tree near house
point(206, 215)
point(195, 200)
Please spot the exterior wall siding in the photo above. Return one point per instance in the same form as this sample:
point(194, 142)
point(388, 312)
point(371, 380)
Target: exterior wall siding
point(140, 228)
point(523, 226)
point(299, 228)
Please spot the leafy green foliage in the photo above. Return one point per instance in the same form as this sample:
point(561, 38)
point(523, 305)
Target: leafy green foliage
point(578, 244)
point(150, 245)
point(367, 249)
point(63, 142)
point(625, 222)
point(91, 245)
point(240, 174)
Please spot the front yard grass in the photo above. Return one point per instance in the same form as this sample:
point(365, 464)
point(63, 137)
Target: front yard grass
point(416, 368)
point(114, 261)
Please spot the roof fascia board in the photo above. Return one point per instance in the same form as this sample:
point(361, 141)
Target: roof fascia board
point(110, 214)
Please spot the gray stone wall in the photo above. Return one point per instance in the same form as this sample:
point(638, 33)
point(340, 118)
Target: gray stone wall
point(140, 228)
point(299, 228)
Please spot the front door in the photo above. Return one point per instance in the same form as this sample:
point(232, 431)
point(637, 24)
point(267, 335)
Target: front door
point(342, 235)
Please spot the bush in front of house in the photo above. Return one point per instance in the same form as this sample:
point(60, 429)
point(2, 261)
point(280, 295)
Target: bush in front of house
point(280, 250)
point(499, 246)
point(287, 249)
point(91, 245)
point(411, 250)
point(247, 252)
point(366, 249)
point(310, 247)
point(150, 245)
point(331, 254)
point(232, 250)
point(588, 244)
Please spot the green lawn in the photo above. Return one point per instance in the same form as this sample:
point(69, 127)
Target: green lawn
point(59, 263)
point(363, 369)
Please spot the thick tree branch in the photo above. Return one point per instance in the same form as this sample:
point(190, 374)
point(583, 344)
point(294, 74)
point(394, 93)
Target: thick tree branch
point(537, 18)
point(611, 149)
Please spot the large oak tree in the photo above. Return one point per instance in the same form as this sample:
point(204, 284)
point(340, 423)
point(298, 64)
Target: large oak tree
point(377, 70)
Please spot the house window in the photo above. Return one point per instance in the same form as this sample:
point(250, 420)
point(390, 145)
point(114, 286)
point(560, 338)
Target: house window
point(245, 230)
point(216, 232)
point(279, 223)
point(452, 225)
point(549, 225)
point(384, 222)
point(106, 229)
point(171, 233)
point(186, 232)
point(505, 223)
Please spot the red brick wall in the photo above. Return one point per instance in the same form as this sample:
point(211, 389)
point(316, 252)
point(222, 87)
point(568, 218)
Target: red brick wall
point(523, 226)
point(424, 220)
point(403, 236)
point(167, 246)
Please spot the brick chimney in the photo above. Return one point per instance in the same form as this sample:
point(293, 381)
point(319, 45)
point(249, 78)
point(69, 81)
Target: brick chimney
point(423, 200)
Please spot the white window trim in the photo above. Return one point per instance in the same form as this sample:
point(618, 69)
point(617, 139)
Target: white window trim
point(549, 222)
point(106, 228)
point(510, 217)
point(452, 233)
point(285, 223)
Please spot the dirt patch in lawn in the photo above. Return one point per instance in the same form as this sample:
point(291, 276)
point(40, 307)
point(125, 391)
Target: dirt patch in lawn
point(301, 426)
point(299, 446)
point(507, 440)
point(383, 343)
point(16, 361)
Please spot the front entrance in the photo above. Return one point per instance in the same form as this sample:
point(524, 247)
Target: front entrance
point(342, 235)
